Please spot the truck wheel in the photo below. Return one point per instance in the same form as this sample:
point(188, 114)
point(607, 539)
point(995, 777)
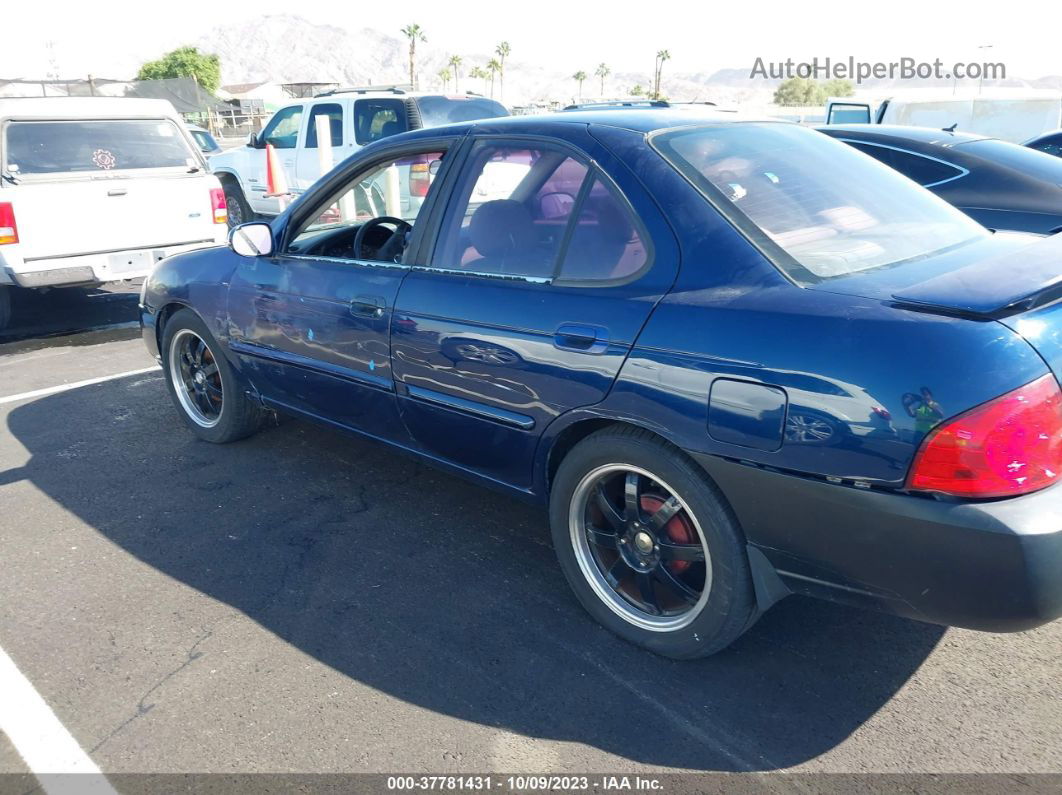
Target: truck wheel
point(239, 211)
point(202, 384)
point(5, 306)
point(649, 546)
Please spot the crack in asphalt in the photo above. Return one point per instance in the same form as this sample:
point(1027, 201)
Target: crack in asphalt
point(142, 709)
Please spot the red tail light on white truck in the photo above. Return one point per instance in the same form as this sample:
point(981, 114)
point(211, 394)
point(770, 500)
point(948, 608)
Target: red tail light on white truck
point(8, 227)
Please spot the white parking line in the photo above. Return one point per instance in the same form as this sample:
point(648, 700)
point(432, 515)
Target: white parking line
point(48, 749)
point(51, 390)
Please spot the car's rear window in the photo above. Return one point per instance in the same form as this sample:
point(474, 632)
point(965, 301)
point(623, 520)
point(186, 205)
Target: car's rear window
point(1022, 159)
point(55, 147)
point(436, 111)
point(817, 207)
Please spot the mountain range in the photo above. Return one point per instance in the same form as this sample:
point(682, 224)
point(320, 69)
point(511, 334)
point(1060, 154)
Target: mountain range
point(289, 49)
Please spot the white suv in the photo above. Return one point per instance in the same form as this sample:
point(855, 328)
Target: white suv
point(356, 117)
point(96, 189)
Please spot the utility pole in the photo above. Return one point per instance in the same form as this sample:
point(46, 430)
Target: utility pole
point(981, 82)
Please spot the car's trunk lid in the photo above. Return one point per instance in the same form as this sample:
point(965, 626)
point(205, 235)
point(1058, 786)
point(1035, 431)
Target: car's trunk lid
point(998, 286)
point(1015, 279)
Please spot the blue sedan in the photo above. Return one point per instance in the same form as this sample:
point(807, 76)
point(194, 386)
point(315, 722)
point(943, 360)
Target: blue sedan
point(736, 359)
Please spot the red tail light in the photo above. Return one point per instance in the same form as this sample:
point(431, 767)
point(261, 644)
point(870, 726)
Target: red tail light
point(1008, 446)
point(8, 227)
point(419, 179)
point(220, 208)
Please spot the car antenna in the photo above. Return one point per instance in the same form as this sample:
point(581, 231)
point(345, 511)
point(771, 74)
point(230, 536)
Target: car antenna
point(951, 128)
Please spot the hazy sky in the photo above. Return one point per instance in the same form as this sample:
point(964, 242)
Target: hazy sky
point(111, 37)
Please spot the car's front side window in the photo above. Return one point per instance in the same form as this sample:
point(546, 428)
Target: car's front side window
point(817, 206)
point(282, 132)
point(396, 188)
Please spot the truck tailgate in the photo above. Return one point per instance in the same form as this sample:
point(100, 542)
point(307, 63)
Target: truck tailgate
point(59, 218)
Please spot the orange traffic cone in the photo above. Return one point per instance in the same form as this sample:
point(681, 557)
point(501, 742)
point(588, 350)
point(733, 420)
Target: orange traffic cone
point(276, 183)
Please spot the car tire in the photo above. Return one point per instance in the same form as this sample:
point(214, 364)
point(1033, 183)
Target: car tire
point(621, 574)
point(5, 306)
point(239, 211)
point(202, 384)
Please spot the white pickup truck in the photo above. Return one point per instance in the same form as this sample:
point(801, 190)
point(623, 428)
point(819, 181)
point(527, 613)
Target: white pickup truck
point(356, 117)
point(95, 189)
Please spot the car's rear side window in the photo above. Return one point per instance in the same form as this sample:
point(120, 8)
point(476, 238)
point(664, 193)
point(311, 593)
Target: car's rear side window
point(56, 147)
point(539, 212)
point(511, 211)
point(926, 171)
point(606, 243)
point(378, 118)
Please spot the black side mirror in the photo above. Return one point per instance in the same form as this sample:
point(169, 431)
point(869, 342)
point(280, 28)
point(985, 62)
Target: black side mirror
point(252, 141)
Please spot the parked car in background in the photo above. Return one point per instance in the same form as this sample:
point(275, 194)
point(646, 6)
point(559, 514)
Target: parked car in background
point(356, 117)
point(1048, 143)
point(95, 190)
point(999, 184)
point(624, 332)
point(1013, 115)
point(206, 142)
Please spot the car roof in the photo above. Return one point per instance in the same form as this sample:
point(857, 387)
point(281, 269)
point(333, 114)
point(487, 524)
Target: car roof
point(376, 93)
point(84, 107)
point(924, 135)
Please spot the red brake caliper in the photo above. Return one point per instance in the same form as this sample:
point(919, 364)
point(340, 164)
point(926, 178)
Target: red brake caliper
point(678, 530)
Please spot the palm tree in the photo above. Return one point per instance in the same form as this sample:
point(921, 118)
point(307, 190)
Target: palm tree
point(658, 71)
point(579, 77)
point(414, 34)
point(455, 64)
point(478, 73)
point(444, 76)
point(502, 51)
point(603, 71)
point(493, 67)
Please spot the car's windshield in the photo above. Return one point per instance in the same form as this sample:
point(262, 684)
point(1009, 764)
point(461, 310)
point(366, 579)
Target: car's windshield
point(436, 111)
point(818, 207)
point(53, 147)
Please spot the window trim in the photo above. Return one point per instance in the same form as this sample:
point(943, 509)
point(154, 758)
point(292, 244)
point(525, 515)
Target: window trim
point(962, 171)
point(593, 171)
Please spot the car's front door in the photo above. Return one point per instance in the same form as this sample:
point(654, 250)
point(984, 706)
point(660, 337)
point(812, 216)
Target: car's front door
point(282, 132)
point(540, 279)
point(311, 324)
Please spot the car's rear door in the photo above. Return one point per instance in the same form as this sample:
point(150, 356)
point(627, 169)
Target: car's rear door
point(542, 274)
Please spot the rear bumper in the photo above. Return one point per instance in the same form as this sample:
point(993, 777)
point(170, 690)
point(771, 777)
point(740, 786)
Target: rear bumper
point(994, 566)
point(93, 268)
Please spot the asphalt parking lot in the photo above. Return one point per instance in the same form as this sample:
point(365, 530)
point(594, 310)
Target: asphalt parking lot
point(304, 601)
